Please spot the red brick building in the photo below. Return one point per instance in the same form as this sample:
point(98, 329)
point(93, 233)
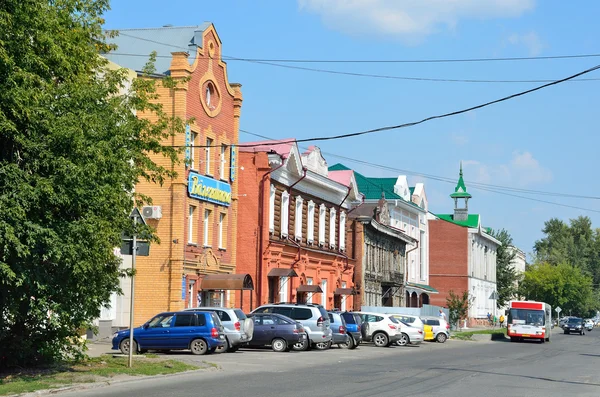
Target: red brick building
point(292, 226)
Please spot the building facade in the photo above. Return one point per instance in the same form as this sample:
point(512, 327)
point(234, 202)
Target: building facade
point(194, 214)
point(407, 209)
point(292, 226)
point(462, 257)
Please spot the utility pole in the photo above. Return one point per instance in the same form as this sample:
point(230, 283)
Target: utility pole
point(133, 255)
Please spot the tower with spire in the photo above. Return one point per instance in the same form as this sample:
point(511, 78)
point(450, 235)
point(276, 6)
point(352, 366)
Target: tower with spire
point(460, 193)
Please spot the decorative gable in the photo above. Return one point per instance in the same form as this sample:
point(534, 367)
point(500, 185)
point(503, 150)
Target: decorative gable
point(314, 161)
point(401, 188)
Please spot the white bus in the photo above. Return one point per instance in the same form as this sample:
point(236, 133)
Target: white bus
point(529, 320)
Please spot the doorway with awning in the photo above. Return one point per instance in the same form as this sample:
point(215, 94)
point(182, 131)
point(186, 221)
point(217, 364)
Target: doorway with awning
point(213, 287)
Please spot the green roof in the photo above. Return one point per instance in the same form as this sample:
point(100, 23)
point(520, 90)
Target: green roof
point(472, 220)
point(460, 191)
point(371, 187)
point(426, 287)
point(412, 190)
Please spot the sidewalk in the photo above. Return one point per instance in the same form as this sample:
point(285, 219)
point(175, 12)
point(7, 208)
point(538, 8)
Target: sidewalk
point(96, 349)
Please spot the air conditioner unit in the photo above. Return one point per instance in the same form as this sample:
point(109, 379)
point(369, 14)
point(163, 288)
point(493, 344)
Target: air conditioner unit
point(152, 212)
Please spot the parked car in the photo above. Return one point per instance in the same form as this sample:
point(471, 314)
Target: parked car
point(279, 332)
point(410, 335)
point(428, 333)
point(339, 331)
point(574, 324)
point(238, 327)
point(200, 331)
point(440, 328)
point(381, 329)
point(313, 317)
point(410, 319)
point(353, 327)
point(589, 324)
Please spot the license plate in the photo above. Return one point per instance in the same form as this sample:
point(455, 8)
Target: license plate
point(525, 335)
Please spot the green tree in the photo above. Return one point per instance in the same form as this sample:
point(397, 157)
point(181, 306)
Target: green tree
point(458, 305)
point(506, 276)
point(559, 285)
point(71, 151)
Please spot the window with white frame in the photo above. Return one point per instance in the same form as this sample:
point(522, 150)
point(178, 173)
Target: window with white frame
point(298, 218)
point(272, 209)
point(283, 289)
point(343, 308)
point(206, 239)
point(322, 211)
point(285, 213)
point(324, 294)
point(193, 151)
point(332, 223)
point(342, 231)
point(191, 236)
point(309, 281)
point(221, 234)
point(310, 222)
point(209, 143)
point(423, 252)
point(222, 164)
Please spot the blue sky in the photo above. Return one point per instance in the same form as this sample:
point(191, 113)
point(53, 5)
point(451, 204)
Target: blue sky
point(544, 141)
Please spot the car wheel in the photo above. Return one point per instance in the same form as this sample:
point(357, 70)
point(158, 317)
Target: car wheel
point(350, 343)
point(441, 337)
point(380, 339)
point(233, 349)
point(404, 340)
point(124, 346)
point(513, 339)
point(224, 348)
point(301, 346)
point(322, 345)
point(279, 345)
point(198, 347)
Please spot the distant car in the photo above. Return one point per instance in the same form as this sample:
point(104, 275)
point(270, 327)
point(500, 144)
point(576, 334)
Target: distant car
point(279, 332)
point(338, 328)
point(313, 317)
point(238, 328)
point(353, 327)
point(379, 328)
point(589, 324)
point(200, 332)
point(440, 327)
point(574, 324)
point(410, 319)
point(409, 334)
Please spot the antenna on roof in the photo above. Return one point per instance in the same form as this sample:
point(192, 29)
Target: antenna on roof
point(168, 25)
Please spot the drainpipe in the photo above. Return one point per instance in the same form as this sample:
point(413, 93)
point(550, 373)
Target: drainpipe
point(261, 231)
point(304, 169)
point(344, 231)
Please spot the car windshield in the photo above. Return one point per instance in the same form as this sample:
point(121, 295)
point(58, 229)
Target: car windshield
point(526, 317)
point(574, 321)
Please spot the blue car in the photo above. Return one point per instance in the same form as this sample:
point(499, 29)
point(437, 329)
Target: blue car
point(201, 332)
point(276, 330)
point(353, 328)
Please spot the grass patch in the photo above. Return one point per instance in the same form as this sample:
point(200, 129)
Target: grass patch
point(95, 369)
point(468, 335)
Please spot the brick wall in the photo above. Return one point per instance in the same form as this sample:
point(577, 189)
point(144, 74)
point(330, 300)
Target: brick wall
point(448, 259)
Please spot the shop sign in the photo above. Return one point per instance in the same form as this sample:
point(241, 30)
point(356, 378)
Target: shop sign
point(207, 189)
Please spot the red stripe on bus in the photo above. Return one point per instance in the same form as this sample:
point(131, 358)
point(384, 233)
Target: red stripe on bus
point(527, 305)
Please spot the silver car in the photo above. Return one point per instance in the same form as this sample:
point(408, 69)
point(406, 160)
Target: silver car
point(238, 327)
point(313, 317)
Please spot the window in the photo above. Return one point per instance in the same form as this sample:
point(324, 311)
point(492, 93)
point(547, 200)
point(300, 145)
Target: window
point(209, 143)
point(332, 228)
point(298, 218)
point(201, 318)
point(206, 228)
point(300, 313)
point(324, 294)
point(423, 252)
point(191, 237)
point(272, 209)
point(310, 222)
point(342, 231)
point(343, 308)
point(322, 210)
point(285, 213)
point(193, 151)
point(223, 162)
point(309, 281)
point(223, 316)
point(283, 289)
point(161, 321)
point(183, 320)
point(221, 226)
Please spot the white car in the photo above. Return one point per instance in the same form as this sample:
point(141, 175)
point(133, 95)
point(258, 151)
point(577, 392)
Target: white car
point(412, 320)
point(380, 328)
point(588, 324)
point(410, 334)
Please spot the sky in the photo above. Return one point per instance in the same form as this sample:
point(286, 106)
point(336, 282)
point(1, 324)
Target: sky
point(546, 141)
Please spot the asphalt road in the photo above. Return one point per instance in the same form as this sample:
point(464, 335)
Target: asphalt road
point(569, 365)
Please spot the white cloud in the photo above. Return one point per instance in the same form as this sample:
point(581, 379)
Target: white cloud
point(459, 140)
point(409, 20)
point(522, 170)
point(531, 41)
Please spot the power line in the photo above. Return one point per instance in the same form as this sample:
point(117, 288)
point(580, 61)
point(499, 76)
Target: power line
point(378, 76)
point(446, 179)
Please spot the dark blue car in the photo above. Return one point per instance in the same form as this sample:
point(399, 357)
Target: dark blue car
point(200, 332)
point(353, 328)
point(276, 330)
